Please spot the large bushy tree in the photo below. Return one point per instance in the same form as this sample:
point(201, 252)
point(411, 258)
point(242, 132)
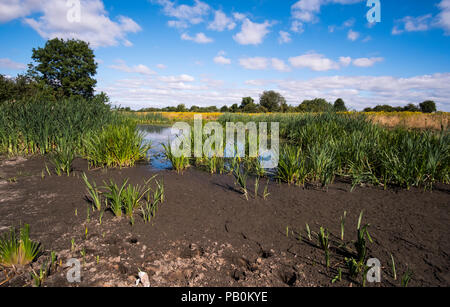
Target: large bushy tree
point(315, 105)
point(339, 105)
point(67, 66)
point(428, 106)
point(272, 101)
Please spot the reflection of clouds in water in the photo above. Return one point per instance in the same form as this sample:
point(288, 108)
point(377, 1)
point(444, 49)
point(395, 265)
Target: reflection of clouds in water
point(158, 135)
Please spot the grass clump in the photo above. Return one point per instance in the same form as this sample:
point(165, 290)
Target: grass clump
point(116, 145)
point(179, 163)
point(18, 250)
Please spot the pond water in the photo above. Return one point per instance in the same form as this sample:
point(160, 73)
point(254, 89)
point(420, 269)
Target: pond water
point(157, 135)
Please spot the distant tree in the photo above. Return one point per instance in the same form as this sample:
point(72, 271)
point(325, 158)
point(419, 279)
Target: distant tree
point(248, 105)
point(272, 101)
point(411, 108)
point(383, 108)
point(428, 106)
point(234, 108)
point(315, 105)
point(67, 66)
point(339, 105)
point(224, 109)
point(181, 108)
point(194, 109)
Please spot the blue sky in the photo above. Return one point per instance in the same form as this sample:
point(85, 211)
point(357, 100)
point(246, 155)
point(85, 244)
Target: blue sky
point(167, 52)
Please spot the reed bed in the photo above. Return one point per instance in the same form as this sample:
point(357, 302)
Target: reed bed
point(349, 145)
point(70, 128)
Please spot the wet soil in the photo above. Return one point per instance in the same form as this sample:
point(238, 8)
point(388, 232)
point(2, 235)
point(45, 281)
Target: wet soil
point(207, 234)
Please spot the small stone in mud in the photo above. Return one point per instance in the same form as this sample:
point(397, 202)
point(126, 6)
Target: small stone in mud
point(238, 275)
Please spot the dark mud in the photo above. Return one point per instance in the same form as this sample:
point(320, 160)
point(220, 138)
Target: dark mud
point(207, 234)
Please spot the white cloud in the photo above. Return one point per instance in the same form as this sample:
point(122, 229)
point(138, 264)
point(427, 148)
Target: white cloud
point(13, 9)
point(413, 24)
point(6, 63)
point(297, 27)
point(443, 19)
point(175, 79)
point(239, 16)
point(358, 92)
point(184, 15)
point(313, 61)
point(221, 59)
point(252, 33)
point(140, 68)
point(199, 38)
point(352, 35)
point(285, 37)
point(255, 63)
point(161, 66)
point(221, 22)
point(280, 65)
point(94, 27)
point(345, 61)
point(306, 10)
point(366, 62)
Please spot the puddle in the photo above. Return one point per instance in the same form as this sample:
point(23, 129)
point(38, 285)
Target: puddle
point(158, 135)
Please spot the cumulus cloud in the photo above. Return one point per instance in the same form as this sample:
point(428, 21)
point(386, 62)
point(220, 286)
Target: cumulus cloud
point(280, 65)
point(221, 22)
point(199, 38)
point(352, 35)
point(345, 61)
point(306, 10)
point(285, 37)
point(161, 66)
point(425, 22)
point(185, 15)
point(358, 92)
point(10, 64)
point(313, 61)
point(95, 26)
point(255, 63)
point(221, 59)
point(297, 27)
point(252, 33)
point(413, 24)
point(175, 79)
point(366, 62)
point(443, 19)
point(139, 69)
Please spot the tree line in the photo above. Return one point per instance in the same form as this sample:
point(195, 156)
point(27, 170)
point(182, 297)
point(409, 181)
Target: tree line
point(271, 101)
point(66, 68)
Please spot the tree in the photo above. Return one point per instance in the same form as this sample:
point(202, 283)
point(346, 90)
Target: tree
point(234, 108)
point(428, 106)
point(248, 105)
point(224, 109)
point(68, 66)
point(411, 108)
point(181, 108)
point(339, 105)
point(272, 101)
point(315, 105)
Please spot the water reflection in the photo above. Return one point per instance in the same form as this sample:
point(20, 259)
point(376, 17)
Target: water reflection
point(158, 135)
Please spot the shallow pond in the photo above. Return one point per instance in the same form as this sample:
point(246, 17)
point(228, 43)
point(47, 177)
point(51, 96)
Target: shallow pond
point(157, 135)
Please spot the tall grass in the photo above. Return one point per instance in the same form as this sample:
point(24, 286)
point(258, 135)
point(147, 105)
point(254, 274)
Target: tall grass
point(116, 145)
point(18, 250)
point(350, 145)
point(33, 126)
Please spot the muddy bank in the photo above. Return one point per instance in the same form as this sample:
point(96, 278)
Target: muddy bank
point(207, 234)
